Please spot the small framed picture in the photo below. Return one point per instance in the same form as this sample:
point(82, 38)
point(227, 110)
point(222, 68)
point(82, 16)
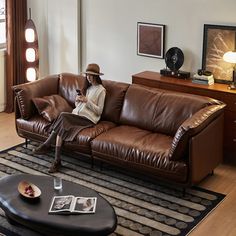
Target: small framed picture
point(150, 40)
point(217, 40)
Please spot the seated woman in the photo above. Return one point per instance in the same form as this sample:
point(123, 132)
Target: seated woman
point(88, 109)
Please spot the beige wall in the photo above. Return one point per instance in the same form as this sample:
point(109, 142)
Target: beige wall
point(39, 14)
point(57, 25)
point(110, 31)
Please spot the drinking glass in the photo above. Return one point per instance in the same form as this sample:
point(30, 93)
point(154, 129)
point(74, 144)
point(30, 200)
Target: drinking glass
point(57, 183)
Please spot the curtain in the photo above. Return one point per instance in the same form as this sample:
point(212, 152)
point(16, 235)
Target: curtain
point(16, 17)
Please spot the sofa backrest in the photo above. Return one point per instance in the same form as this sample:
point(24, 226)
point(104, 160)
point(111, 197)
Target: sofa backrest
point(140, 104)
point(160, 110)
point(68, 83)
point(115, 93)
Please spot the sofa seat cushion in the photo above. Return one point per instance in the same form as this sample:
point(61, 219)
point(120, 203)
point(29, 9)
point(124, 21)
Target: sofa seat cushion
point(37, 128)
point(141, 149)
point(83, 139)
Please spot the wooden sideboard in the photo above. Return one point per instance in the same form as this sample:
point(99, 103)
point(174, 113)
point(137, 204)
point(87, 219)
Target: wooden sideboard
point(217, 91)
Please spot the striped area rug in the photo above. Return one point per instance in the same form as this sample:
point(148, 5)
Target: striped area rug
point(143, 206)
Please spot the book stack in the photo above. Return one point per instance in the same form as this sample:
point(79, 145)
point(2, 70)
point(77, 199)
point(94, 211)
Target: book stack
point(203, 79)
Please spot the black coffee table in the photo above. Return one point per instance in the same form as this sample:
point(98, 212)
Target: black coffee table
point(34, 213)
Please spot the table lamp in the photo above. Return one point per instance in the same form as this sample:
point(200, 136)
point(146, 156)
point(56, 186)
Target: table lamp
point(231, 58)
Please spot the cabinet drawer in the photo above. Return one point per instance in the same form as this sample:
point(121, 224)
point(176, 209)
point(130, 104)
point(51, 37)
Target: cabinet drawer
point(229, 120)
point(230, 101)
point(230, 144)
point(230, 137)
point(229, 156)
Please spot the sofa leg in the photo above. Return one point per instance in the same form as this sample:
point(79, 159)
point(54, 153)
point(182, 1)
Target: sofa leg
point(92, 162)
point(26, 143)
point(101, 165)
point(212, 172)
point(184, 192)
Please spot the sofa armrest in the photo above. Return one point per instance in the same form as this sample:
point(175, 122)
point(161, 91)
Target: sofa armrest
point(39, 88)
point(192, 126)
point(206, 150)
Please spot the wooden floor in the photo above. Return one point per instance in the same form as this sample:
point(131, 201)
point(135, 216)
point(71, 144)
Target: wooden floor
point(8, 135)
point(221, 222)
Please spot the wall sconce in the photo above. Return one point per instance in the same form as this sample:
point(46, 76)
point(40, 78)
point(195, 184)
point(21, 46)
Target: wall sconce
point(231, 58)
point(31, 50)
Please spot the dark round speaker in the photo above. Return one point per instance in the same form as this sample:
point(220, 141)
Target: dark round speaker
point(174, 58)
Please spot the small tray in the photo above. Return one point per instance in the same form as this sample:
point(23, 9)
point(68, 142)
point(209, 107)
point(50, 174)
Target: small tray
point(22, 187)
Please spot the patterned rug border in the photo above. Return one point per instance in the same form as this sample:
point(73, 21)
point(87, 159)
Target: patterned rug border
point(186, 231)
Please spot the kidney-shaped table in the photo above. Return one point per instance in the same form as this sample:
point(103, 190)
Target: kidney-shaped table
point(33, 213)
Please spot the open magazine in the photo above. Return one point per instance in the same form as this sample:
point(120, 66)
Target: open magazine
point(71, 204)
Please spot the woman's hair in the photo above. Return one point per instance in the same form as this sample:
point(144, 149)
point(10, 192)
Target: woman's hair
point(87, 84)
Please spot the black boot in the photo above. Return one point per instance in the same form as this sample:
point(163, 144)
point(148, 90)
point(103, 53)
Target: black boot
point(45, 147)
point(57, 162)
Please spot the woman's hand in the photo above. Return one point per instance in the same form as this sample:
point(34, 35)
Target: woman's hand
point(81, 98)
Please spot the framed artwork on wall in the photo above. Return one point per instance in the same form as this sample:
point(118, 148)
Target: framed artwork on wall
point(150, 40)
point(217, 40)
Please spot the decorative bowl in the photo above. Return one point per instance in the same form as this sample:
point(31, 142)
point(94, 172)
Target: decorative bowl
point(28, 190)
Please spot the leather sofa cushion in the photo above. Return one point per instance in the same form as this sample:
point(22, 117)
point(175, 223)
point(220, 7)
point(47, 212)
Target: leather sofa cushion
point(139, 148)
point(159, 110)
point(83, 139)
point(26, 92)
point(139, 106)
point(50, 107)
point(191, 127)
point(115, 92)
point(36, 126)
point(174, 108)
point(68, 83)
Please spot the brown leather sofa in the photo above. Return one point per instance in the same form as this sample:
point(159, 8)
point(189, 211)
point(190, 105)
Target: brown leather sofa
point(174, 137)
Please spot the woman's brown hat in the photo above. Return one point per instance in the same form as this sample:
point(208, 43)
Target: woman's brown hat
point(93, 69)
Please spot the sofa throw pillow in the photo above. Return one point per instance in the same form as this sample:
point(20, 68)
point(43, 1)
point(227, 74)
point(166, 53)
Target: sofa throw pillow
point(50, 107)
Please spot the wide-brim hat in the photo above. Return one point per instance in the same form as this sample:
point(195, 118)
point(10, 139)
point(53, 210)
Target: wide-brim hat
point(93, 69)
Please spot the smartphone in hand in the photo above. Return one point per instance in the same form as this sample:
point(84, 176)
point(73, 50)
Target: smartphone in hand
point(78, 92)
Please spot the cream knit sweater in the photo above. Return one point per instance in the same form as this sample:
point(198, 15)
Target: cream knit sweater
point(93, 108)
